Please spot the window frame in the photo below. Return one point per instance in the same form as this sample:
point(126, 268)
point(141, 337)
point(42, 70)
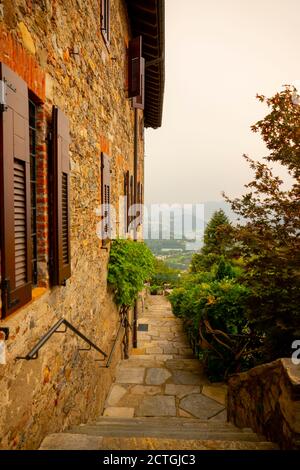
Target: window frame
point(32, 124)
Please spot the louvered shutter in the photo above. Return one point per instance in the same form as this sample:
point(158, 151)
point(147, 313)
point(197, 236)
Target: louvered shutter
point(105, 20)
point(15, 236)
point(60, 198)
point(135, 67)
point(142, 201)
point(139, 101)
point(127, 203)
point(131, 190)
point(106, 192)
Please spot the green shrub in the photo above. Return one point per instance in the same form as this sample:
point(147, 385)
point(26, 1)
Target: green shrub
point(155, 290)
point(163, 274)
point(130, 266)
point(213, 314)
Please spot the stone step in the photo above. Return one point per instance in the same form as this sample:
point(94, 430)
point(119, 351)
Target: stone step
point(177, 428)
point(162, 422)
point(179, 434)
point(69, 441)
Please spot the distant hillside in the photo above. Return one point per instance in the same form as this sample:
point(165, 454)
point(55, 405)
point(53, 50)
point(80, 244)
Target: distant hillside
point(160, 235)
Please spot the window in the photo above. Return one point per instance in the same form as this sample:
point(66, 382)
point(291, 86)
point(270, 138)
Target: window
point(33, 189)
point(15, 210)
point(106, 196)
point(105, 20)
point(24, 195)
point(127, 202)
point(59, 186)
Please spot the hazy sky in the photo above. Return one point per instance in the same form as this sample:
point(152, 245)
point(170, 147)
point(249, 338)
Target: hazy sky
point(219, 54)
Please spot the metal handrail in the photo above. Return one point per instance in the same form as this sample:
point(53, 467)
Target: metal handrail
point(33, 354)
point(114, 346)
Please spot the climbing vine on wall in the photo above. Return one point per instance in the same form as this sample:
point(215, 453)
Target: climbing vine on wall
point(130, 265)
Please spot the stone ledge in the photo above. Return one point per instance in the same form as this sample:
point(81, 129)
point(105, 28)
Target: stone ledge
point(267, 398)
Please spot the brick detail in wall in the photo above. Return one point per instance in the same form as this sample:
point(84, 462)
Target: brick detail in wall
point(13, 54)
point(42, 198)
point(104, 145)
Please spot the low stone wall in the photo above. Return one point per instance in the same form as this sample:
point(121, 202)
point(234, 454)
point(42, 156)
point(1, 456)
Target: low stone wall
point(267, 399)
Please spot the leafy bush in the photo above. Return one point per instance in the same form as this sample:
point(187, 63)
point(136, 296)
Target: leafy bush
point(130, 265)
point(163, 274)
point(269, 238)
point(156, 290)
point(213, 314)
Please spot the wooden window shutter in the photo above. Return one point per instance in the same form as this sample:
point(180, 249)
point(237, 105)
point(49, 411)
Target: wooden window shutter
point(135, 68)
point(127, 203)
point(131, 191)
point(60, 198)
point(139, 101)
point(138, 193)
point(106, 191)
point(142, 200)
point(127, 200)
point(15, 214)
point(105, 20)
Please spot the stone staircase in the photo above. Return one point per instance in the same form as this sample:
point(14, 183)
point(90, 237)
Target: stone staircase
point(156, 433)
point(161, 399)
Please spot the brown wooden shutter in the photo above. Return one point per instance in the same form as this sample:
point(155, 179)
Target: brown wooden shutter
point(142, 201)
point(128, 199)
point(60, 198)
point(106, 191)
point(15, 215)
point(131, 190)
point(126, 202)
point(105, 20)
point(139, 101)
point(135, 67)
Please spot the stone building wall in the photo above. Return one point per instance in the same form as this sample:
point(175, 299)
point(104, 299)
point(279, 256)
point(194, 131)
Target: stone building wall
point(56, 46)
point(267, 399)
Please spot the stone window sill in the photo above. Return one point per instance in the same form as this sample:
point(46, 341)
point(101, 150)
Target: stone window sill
point(37, 293)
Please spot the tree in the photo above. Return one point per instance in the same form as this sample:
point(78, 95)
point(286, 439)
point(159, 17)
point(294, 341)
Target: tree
point(269, 239)
point(217, 240)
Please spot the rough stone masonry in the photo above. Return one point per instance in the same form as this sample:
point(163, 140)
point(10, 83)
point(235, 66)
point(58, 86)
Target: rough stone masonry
point(58, 49)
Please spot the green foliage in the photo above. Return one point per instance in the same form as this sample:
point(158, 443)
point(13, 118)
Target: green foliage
point(269, 240)
point(240, 304)
point(156, 290)
point(213, 314)
point(130, 265)
point(211, 301)
point(217, 243)
point(214, 240)
point(179, 261)
point(163, 274)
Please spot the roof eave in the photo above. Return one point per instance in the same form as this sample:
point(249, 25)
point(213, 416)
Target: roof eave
point(148, 20)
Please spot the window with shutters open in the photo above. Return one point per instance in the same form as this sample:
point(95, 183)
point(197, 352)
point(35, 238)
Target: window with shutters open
point(139, 101)
point(15, 196)
point(59, 187)
point(105, 20)
point(136, 70)
point(33, 188)
point(106, 196)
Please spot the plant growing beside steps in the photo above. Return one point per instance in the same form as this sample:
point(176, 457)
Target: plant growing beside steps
point(241, 300)
point(145, 385)
point(130, 266)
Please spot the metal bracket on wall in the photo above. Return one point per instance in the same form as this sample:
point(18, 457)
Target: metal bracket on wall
point(33, 354)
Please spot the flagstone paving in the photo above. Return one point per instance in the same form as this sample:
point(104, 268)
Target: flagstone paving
point(162, 377)
point(161, 399)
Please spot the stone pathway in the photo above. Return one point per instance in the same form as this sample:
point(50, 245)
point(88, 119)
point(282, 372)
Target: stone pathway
point(161, 399)
point(162, 378)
